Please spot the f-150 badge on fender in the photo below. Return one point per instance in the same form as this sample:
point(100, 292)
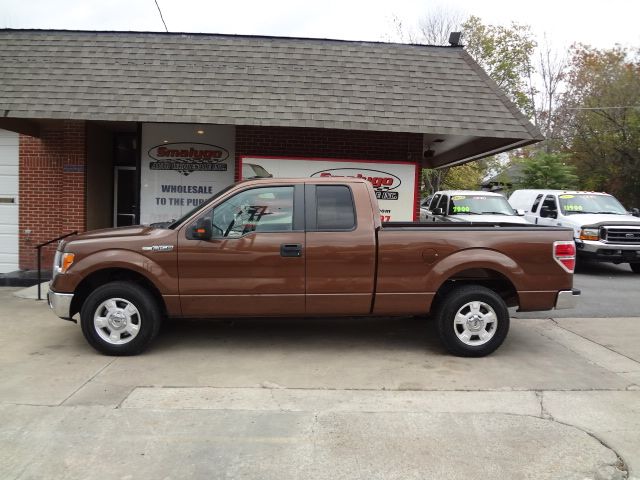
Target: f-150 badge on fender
point(158, 248)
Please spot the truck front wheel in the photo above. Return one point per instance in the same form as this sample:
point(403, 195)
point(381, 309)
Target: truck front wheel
point(120, 318)
point(472, 321)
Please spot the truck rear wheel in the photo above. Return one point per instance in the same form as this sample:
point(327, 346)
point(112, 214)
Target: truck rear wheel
point(472, 321)
point(120, 318)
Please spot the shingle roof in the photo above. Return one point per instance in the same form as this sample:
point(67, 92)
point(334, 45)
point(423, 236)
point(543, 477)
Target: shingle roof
point(242, 80)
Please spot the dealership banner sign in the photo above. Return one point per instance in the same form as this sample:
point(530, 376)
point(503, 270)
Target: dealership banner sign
point(182, 165)
point(393, 182)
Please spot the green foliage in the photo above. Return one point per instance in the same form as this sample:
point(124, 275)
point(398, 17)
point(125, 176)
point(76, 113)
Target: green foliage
point(463, 177)
point(548, 170)
point(505, 54)
point(602, 130)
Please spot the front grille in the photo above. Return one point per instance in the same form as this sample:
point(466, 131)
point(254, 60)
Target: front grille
point(621, 235)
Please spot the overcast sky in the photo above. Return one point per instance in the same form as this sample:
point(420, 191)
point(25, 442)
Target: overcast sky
point(595, 22)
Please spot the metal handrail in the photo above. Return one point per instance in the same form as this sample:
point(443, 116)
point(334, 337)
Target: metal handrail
point(39, 248)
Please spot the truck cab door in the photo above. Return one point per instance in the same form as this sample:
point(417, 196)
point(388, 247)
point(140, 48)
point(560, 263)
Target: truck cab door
point(549, 211)
point(340, 249)
point(431, 207)
point(533, 215)
point(254, 262)
point(441, 210)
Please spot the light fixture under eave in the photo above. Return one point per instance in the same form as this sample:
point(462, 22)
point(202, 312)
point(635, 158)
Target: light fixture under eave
point(200, 132)
point(165, 141)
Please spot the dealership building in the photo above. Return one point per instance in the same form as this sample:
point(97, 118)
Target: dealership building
point(103, 129)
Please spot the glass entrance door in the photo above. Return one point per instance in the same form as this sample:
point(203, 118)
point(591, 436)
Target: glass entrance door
point(124, 196)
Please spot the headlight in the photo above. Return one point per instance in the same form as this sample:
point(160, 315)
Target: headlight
point(62, 261)
point(590, 234)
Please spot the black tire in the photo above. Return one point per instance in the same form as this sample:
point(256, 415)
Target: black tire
point(147, 316)
point(635, 267)
point(454, 302)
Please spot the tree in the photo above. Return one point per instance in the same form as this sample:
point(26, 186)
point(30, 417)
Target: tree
point(505, 54)
point(463, 177)
point(602, 134)
point(435, 27)
point(550, 73)
point(547, 170)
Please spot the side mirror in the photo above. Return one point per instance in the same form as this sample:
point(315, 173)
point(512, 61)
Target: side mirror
point(635, 212)
point(438, 211)
point(545, 212)
point(520, 212)
point(202, 229)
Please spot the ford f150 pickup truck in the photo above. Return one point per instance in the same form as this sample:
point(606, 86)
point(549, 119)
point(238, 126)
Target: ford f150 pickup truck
point(309, 247)
point(602, 229)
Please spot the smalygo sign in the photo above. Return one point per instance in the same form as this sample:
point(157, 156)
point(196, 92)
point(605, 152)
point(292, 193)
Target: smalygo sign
point(182, 165)
point(187, 157)
point(384, 183)
point(395, 183)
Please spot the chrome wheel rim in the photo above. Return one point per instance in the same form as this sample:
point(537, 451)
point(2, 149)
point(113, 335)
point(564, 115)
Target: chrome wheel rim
point(475, 323)
point(117, 321)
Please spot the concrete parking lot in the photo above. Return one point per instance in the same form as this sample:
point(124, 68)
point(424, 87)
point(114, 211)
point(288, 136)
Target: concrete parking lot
point(337, 398)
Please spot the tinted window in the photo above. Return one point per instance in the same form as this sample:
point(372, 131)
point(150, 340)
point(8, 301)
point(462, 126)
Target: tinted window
point(434, 201)
point(268, 209)
point(335, 208)
point(534, 209)
point(443, 203)
point(550, 203)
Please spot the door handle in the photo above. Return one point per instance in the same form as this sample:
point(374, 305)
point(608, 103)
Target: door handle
point(291, 250)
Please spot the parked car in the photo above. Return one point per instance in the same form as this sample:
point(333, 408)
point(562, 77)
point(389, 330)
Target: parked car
point(470, 206)
point(603, 229)
point(309, 247)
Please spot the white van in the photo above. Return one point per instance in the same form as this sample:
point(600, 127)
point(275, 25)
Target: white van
point(602, 228)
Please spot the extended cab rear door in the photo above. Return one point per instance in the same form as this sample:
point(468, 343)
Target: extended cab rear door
point(255, 262)
point(340, 248)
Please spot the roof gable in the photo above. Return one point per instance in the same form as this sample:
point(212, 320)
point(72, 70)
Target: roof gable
point(263, 81)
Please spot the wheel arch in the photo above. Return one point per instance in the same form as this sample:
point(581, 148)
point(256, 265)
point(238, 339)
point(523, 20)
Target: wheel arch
point(488, 268)
point(483, 276)
point(113, 274)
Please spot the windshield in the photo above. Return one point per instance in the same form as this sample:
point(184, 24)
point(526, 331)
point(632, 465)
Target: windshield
point(572, 204)
point(175, 223)
point(479, 204)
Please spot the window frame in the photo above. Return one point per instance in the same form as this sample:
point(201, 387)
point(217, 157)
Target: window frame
point(297, 220)
point(311, 208)
point(536, 203)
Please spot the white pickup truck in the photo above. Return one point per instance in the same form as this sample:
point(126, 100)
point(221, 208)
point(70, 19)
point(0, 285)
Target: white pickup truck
point(603, 230)
point(469, 206)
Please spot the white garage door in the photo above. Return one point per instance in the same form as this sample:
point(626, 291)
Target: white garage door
point(8, 201)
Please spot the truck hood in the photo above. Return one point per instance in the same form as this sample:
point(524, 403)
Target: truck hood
point(488, 218)
point(132, 231)
point(584, 219)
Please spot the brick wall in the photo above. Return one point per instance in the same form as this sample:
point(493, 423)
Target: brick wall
point(52, 188)
point(326, 143)
point(53, 177)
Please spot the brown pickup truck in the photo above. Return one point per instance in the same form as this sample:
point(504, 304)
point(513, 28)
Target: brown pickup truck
point(309, 247)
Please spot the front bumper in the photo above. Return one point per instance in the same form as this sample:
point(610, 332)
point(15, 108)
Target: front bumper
point(567, 299)
point(608, 252)
point(60, 303)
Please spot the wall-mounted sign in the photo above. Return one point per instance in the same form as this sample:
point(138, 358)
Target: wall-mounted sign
point(182, 165)
point(395, 183)
point(187, 157)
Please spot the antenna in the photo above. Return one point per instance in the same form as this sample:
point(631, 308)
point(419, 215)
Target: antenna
point(162, 18)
